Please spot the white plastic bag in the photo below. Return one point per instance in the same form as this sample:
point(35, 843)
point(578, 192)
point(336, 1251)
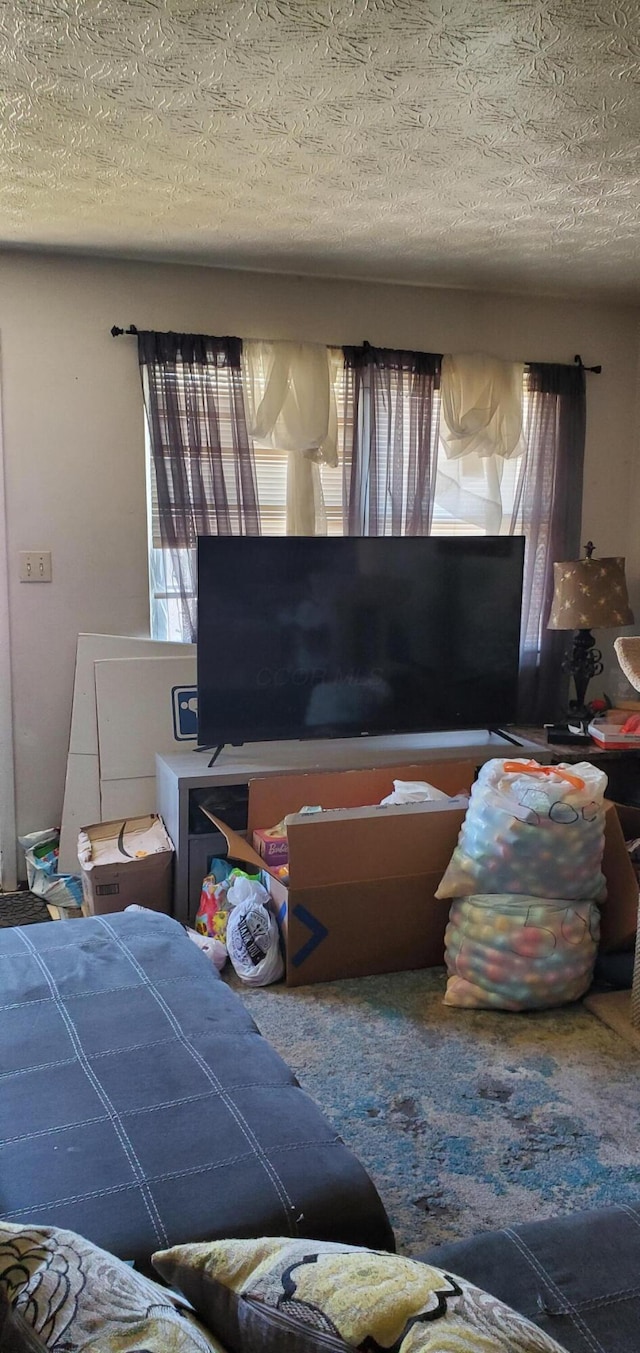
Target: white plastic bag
point(414, 791)
point(537, 830)
point(519, 953)
point(211, 948)
point(253, 941)
point(41, 858)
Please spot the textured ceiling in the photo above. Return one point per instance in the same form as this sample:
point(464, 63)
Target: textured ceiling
point(460, 142)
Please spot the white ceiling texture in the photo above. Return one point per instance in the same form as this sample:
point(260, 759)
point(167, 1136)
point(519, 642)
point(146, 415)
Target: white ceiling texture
point(478, 143)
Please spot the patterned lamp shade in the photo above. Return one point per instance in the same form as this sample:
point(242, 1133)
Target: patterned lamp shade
point(589, 594)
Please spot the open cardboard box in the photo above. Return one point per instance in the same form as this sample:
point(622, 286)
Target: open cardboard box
point(360, 898)
point(125, 862)
point(362, 879)
point(619, 914)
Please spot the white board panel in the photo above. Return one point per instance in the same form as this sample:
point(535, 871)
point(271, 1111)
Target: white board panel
point(135, 712)
point(90, 649)
point(81, 806)
point(82, 784)
point(127, 798)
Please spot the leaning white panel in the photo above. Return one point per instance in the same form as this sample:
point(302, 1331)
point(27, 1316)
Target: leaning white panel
point(82, 803)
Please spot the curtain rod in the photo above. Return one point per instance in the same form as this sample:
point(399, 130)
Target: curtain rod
point(579, 362)
point(116, 332)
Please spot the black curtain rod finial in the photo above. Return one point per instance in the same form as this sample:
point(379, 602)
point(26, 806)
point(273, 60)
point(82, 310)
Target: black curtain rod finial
point(579, 362)
point(115, 331)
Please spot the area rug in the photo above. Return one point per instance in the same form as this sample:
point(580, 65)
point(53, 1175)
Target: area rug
point(466, 1120)
point(22, 908)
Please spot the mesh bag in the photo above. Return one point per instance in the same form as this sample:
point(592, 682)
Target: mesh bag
point(519, 953)
point(531, 829)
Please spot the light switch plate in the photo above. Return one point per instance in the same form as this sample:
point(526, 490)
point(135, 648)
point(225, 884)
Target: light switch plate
point(35, 566)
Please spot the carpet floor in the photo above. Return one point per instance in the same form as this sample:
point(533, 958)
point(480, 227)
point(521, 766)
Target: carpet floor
point(22, 908)
point(466, 1120)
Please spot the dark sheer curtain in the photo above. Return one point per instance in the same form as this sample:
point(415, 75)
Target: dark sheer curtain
point(203, 479)
point(548, 511)
point(390, 441)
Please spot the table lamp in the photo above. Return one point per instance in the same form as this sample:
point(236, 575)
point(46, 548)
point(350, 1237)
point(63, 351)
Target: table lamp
point(588, 593)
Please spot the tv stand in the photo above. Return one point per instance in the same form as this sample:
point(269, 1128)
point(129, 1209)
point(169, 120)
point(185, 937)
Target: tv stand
point(184, 784)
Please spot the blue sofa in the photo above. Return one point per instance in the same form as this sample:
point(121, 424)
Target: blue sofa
point(142, 1108)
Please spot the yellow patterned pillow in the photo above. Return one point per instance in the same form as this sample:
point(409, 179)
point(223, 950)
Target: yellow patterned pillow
point(74, 1297)
point(304, 1296)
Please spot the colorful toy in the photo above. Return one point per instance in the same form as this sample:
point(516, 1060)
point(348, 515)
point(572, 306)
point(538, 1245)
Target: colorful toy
point(211, 920)
point(214, 908)
point(281, 873)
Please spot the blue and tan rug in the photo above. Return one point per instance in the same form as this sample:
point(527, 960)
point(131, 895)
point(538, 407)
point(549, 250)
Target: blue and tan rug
point(466, 1120)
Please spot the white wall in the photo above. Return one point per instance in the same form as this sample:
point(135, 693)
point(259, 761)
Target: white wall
point(8, 852)
point(73, 435)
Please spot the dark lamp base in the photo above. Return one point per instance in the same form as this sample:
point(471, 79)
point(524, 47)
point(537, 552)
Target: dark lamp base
point(583, 662)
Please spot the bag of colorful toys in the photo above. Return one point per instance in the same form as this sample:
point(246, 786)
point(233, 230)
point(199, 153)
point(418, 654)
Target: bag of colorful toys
point(525, 877)
point(519, 953)
point(531, 829)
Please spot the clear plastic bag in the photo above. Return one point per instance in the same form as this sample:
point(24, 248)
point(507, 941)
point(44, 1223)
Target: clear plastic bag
point(519, 953)
point(531, 829)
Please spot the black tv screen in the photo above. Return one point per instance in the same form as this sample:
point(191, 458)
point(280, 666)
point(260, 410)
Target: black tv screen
point(303, 637)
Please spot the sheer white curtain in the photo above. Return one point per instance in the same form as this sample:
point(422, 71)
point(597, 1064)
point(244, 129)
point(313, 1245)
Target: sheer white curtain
point(290, 396)
point(481, 428)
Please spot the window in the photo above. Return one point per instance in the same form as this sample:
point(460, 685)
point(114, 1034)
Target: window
point(488, 488)
point(201, 479)
point(168, 569)
point(478, 500)
point(212, 479)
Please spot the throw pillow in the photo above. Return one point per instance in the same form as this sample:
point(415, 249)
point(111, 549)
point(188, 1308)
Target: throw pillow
point(304, 1296)
point(65, 1293)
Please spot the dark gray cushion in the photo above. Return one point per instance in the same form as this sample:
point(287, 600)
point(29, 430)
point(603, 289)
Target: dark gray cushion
point(141, 1107)
point(577, 1277)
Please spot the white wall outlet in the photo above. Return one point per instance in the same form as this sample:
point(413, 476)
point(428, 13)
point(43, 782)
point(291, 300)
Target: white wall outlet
point(35, 566)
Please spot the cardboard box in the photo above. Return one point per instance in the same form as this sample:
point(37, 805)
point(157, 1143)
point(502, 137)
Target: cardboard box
point(619, 914)
point(606, 733)
point(123, 862)
point(362, 878)
point(272, 846)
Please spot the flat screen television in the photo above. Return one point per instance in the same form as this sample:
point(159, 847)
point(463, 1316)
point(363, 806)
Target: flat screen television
point(306, 637)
